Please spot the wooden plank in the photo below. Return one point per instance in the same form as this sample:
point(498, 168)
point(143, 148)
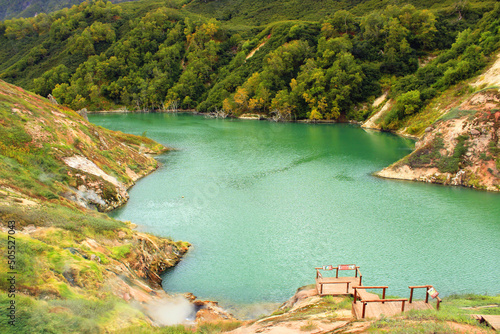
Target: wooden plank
point(365, 295)
point(492, 320)
point(336, 286)
point(357, 308)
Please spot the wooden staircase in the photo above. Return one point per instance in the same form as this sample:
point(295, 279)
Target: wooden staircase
point(367, 304)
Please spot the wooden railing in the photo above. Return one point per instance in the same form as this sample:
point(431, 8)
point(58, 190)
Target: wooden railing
point(403, 300)
point(333, 282)
point(364, 301)
point(357, 272)
point(426, 287)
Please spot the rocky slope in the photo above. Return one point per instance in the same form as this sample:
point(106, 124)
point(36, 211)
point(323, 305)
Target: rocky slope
point(460, 149)
point(460, 143)
point(64, 156)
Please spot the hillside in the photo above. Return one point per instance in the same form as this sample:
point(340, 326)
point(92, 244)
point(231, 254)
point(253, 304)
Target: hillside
point(458, 135)
point(150, 55)
point(460, 149)
point(21, 8)
point(52, 153)
point(73, 265)
point(260, 12)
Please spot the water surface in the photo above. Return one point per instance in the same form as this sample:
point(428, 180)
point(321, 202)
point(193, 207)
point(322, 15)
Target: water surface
point(264, 203)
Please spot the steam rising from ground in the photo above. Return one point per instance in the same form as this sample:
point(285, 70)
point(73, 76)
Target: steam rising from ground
point(171, 311)
point(252, 311)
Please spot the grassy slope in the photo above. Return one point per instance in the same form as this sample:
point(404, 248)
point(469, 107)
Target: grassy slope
point(449, 143)
point(61, 286)
point(36, 135)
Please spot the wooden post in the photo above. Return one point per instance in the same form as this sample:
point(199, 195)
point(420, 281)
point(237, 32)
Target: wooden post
point(427, 295)
point(337, 273)
point(360, 279)
point(364, 308)
point(403, 307)
point(383, 294)
point(355, 293)
point(356, 272)
point(347, 290)
point(321, 287)
point(438, 301)
point(411, 294)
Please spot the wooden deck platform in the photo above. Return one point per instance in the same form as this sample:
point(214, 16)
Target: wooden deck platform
point(336, 285)
point(367, 304)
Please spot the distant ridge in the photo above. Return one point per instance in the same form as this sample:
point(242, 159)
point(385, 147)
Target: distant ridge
point(24, 8)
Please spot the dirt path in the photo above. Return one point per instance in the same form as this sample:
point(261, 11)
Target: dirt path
point(250, 55)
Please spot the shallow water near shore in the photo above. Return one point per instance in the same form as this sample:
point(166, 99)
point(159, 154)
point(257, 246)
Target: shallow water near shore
point(264, 203)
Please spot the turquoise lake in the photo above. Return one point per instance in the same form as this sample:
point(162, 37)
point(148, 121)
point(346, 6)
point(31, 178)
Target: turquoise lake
point(264, 203)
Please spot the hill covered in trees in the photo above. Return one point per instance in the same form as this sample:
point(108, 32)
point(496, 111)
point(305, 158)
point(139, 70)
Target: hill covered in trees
point(22, 8)
point(313, 64)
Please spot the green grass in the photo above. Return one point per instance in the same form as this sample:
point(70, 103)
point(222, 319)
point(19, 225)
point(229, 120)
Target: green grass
point(456, 113)
point(120, 252)
point(451, 164)
point(207, 328)
point(400, 326)
point(54, 215)
point(463, 303)
point(35, 316)
point(455, 308)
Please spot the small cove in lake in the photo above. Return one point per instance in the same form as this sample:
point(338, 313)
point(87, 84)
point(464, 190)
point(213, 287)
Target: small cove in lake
point(264, 203)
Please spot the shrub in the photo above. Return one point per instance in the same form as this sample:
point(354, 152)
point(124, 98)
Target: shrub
point(408, 103)
point(451, 164)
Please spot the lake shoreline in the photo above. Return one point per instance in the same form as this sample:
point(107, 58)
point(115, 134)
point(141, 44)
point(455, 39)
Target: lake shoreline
point(295, 154)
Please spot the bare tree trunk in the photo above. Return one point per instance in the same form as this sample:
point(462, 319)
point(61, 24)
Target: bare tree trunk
point(459, 7)
point(173, 107)
point(281, 115)
point(218, 113)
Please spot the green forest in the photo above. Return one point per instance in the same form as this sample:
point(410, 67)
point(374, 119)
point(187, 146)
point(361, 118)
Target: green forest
point(17, 8)
point(297, 60)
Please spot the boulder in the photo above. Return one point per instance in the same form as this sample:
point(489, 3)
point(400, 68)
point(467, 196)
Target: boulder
point(474, 132)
